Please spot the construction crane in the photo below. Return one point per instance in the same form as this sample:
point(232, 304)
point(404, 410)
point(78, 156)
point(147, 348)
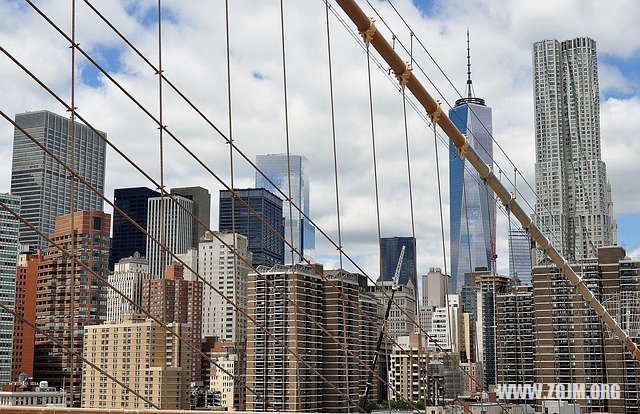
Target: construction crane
point(394, 288)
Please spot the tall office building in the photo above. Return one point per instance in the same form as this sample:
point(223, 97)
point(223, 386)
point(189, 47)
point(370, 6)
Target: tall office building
point(174, 299)
point(42, 183)
point(472, 208)
point(274, 166)
point(128, 239)
point(201, 209)
point(391, 248)
point(9, 229)
point(141, 353)
point(520, 255)
point(267, 248)
point(398, 324)
point(216, 266)
point(52, 363)
point(23, 334)
point(175, 232)
point(128, 275)
point(285, 383)
point(574, 208)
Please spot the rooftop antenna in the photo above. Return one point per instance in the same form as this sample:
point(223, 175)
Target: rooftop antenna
point(469, 85)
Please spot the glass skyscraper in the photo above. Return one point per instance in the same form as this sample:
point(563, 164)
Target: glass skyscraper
point(127, 238)
point(275, 167)
point(267, 248)
point(9, 226)
point(391, 248)
point(473, 118)
point(520, 255)
point(43, 185)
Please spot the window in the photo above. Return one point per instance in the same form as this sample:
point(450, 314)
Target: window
point(97, 223)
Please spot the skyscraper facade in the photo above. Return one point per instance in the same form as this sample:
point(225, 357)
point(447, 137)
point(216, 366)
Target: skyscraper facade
point(275, 167)
point(520, 255)
point(52, 362)
point(23, 334)
point(201, 209)
point(285, 383)
point(471, 203)
point(127, 238)
point(574, 208)
point(267, 248)
point(42, 183)
point(128, 275)
point(175, 233)
point(216, 266)
point(174, 299)
point(391, 248)
point(9, 229)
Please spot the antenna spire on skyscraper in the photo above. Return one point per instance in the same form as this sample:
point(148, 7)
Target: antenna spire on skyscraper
point(469, 85)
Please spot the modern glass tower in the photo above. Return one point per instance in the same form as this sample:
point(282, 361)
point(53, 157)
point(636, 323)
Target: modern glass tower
point(391, 248)
point(520, 255)
point(574, 208)
point(472, 223)
point(8, 266)
point(267, 248)
point(43, 185)
point(275, 167)
point(127, 239)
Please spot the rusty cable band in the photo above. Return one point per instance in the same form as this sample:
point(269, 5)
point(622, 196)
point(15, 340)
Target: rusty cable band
point(464, 148)
point(403, 78)
point(435, 115)
point(367, 35)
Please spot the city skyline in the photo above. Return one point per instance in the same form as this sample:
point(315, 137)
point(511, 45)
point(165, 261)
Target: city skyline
point(284, 329)
point(508, 87)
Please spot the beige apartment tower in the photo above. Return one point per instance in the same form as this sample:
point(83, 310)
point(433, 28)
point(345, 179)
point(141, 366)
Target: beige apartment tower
point(142, 354)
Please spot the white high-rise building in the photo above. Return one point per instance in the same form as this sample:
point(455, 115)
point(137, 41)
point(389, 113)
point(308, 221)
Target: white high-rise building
point(127, 278)
point(574, 208)
point(215, 265)
point(175, 234)
point(446, 325)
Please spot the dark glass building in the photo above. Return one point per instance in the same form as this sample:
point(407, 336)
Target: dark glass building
point(267, 248)
point(127, 239)
point(391, 248)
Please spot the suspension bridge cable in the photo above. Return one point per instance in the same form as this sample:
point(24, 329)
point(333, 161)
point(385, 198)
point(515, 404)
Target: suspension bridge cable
point(72, 288)
point(337, 188)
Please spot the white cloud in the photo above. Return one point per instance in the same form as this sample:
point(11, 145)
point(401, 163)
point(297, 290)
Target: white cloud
point(194, 59)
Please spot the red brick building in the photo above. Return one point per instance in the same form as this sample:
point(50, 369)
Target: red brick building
point(52, 362)
point(174, 299)
point(23, 334)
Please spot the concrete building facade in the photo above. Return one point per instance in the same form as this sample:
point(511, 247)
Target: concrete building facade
point(141, 352)
point(53, 303)
point(128, 275)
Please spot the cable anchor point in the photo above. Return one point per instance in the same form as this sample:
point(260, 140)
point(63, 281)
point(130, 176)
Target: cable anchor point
point(405, 76)
point(367, 35)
